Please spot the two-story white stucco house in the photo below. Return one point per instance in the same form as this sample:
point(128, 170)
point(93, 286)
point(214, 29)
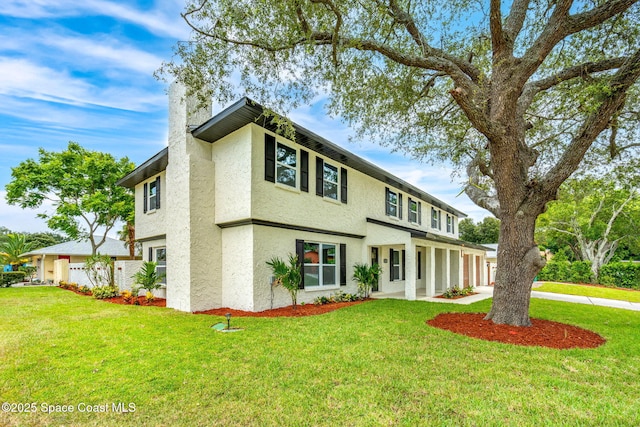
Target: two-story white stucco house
point(228, 194)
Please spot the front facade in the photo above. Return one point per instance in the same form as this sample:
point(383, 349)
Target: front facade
point(228, 194)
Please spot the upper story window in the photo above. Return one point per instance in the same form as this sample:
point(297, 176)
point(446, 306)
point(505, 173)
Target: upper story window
point(415, 211)
point(450, 224)
point(393, 202)
point(151, 195)
point(330, 181)
point(286, 165)
point(436, 216)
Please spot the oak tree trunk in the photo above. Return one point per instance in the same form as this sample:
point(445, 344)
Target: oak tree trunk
point(519, 262)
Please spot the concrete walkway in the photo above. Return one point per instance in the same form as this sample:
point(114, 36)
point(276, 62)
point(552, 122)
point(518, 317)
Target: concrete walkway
point(485, 292)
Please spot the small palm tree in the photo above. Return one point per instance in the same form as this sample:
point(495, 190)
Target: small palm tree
point(366, 277)
point(147, 277)
point(11, 247)
point(287, 276)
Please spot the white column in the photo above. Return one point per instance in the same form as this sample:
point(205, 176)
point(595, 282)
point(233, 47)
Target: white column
point(447, 268)
point(410, 272)
point(473, 267)
point(431, 278)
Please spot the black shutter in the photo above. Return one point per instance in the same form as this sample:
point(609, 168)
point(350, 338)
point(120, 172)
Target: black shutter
point(150, 254)
point(300, 253)
point(420, 213)
point(404, 256)
point(319, 176)
point(343, 185)
point(390, 263)
point(386, 202)
point(399, 206)
point(343, 264)
point(419, 265)
point(439, 220)
point(144, 204)
point(158, 192)
point(453, 225)
point(304, 170)
point(269, 158)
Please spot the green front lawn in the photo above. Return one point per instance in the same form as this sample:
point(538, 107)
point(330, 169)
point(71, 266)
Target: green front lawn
point(371, 364)
point(590, 291)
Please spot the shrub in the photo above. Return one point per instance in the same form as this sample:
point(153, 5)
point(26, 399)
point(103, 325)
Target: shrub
point(556, 270)
point(149, 297)
point(127, 296)
point(29, 271)
point(84, 289)
point(621, 274)
point(99, 270)
point(581, 272)
point(8, 278)
point(456, 291)
point(102, 292)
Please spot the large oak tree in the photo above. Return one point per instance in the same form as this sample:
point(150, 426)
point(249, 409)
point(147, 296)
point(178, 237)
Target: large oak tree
point(514, 93)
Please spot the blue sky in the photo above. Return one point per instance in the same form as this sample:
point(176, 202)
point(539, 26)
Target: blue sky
point(83, 71)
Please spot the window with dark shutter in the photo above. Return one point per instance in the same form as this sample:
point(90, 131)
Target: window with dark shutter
point(343, 264)
point(343, 185)
point(387, 205)
point(269, 158)
point(158, 192)
point(304, 170)
point(300, 253)
point(319, 177)
point(144, 203)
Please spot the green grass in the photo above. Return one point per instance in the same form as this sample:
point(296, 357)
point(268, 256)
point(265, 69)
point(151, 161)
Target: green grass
point(590, 291)
point(371, 364)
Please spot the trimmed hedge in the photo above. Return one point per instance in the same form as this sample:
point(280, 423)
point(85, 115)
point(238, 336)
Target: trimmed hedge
point(565, 271)
point(8, 278)
point(621, 274)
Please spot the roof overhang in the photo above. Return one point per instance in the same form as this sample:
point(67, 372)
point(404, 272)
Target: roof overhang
point(151, 167)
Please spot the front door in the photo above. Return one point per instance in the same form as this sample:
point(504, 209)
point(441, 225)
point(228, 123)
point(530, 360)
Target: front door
point(375, 260)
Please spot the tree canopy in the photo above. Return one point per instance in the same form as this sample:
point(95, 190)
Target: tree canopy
point(593, 215)
point(515, 94)
point(81, 184)
point(485, 231)
point(11, 247)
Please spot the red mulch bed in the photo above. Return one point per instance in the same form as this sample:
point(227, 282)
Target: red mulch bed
point(543, 333)
point(157, 302)
point(289, 311)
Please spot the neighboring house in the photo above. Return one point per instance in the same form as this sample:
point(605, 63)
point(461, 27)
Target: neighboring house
point(492, 262)
point(73, 252)
point(228, 194)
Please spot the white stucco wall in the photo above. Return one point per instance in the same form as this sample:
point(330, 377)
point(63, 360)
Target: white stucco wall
point(237, 268)
point(153, 222)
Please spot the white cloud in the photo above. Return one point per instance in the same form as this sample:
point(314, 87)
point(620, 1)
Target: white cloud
point(20, 220)
point(164, 19)
point(25, 79)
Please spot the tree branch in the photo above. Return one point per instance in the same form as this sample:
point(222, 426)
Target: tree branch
point(498, 41)
point(595, 123)
point(514, 22)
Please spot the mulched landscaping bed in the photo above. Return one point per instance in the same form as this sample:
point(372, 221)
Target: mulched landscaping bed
point(157, 302)
point(542, 333)
point(289, 311)
point(457, 296)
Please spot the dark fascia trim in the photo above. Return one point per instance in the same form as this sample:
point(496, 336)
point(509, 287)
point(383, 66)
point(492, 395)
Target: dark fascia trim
point(419, 234)
point(253, 221)
point(148, 239)
point(149, 168)
point(246, 111)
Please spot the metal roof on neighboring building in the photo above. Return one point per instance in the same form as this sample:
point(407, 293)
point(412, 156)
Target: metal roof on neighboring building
point(111, 247)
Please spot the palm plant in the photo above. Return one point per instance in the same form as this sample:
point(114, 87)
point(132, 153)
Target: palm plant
point(12, 246)
point(366, 277)
point(147, 277)
point(287, 276)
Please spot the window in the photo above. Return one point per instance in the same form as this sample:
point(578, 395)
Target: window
point(286, 163)
point(393, 204)
point(151, 195)
point(415, 211)
point(159, 256)
point(161, 266)
point(330, 181)
point(450, 226)
point(397, 264)
point(320, 268)
point(436, 216)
